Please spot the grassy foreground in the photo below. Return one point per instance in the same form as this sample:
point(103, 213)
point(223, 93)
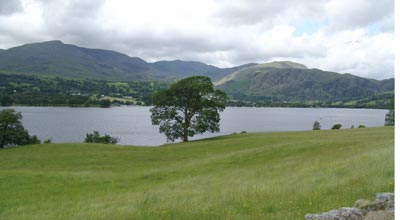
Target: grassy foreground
point(242, 176)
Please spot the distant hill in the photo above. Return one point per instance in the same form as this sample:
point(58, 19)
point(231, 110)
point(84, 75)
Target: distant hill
point(292, 82)
point(274, 82)
point(54, 58)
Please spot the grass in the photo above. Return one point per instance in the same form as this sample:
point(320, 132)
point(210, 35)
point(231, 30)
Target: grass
point(242, 176)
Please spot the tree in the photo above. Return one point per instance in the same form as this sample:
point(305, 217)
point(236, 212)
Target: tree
point(188, 107)
point(5, 100)
point(389, 118)
point(316, 126)
point(12, 133)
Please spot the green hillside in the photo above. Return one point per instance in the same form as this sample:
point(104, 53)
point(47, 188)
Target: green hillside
point(255, 176)
point(291, 82)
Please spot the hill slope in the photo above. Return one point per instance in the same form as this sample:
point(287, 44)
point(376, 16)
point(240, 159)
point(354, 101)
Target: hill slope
point(54, 58)
point(244, 176)
point(288, 81)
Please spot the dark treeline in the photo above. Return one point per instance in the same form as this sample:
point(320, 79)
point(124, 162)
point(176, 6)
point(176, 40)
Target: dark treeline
point(47, 91)
point(43, 91)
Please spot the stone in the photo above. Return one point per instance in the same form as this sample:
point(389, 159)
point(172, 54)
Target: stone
point(382, 208)
point(380, 215)
point(338, 214)
point(385, 196)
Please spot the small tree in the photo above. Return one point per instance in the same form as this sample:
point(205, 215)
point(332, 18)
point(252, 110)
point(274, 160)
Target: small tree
point(336, 126)
point(12, 133)
point(96, 138)
point(389, 118)
point(316, 126)
point(188, 107)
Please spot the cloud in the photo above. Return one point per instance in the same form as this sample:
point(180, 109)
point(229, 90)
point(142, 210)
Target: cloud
point(338, 35)
point(8, 7)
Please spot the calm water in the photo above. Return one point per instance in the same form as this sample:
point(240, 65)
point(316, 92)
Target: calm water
point(133, 125)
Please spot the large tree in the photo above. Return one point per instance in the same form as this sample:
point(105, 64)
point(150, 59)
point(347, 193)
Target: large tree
point(12, 132)
point(188, 107)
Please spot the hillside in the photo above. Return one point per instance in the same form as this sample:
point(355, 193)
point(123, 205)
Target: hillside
point(54, 58)
point(257, 176)
point(292, 82)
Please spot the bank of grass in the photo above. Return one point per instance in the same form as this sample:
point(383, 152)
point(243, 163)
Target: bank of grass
point(242, 176)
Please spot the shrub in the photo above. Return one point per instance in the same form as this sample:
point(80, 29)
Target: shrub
point(336, 126)
point(316, 126)
point(47, 141)
point(361, 126)
point(96, 138)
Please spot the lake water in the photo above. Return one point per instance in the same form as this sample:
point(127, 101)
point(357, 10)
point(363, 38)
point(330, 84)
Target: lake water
point(133, 126)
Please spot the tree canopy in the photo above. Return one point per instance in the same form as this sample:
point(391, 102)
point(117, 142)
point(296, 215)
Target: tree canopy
point(12, 132)
point(188, 107)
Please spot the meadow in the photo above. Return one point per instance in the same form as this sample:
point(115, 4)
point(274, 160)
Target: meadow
point(280, 175)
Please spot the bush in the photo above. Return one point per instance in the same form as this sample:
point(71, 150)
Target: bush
point(96, 138)
point(336, 126)
point(361, 126)
point(316, 126)
point(47, 141)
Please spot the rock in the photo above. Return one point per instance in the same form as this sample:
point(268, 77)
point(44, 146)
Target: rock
point(339, 214)
point(380, 215)
point(367, 205)
point(385, 196)
point(382, 208)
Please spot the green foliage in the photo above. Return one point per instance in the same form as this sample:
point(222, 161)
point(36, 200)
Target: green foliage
point(336, 126)
point(12, 133)
point(316, 126)
point(253, 176)
point(46, 91)
point(389, 118)
point(188, 107)
point(47, 141)
point(5, 100)
point(105, 103)
point(95, 137)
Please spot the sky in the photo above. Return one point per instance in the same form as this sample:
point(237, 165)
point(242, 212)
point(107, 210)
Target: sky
point(343, 36)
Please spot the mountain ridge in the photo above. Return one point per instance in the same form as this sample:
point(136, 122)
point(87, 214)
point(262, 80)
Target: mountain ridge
point(264, 82)
point(56, 58)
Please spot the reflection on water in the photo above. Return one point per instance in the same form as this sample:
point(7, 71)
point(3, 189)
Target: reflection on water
point(133, 126)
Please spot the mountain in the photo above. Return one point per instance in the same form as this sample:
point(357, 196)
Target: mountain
point(292, 82)
point(54, 58)
point(183, 69)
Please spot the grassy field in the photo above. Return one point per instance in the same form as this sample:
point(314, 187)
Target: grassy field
point(243, 176)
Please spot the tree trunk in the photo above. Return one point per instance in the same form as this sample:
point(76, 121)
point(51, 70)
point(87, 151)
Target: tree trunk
point(186, 125)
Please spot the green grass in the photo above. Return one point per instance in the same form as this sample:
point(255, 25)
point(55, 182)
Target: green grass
point(242, 176)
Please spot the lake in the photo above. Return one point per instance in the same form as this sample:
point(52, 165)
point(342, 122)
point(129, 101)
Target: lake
point(132, 124)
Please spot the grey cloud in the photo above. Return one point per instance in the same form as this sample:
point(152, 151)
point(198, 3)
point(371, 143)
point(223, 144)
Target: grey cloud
point(361, 15)
point(8, 7)
point(249, 12)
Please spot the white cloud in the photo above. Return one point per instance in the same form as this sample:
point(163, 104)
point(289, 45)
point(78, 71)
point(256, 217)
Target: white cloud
point(336, 35)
